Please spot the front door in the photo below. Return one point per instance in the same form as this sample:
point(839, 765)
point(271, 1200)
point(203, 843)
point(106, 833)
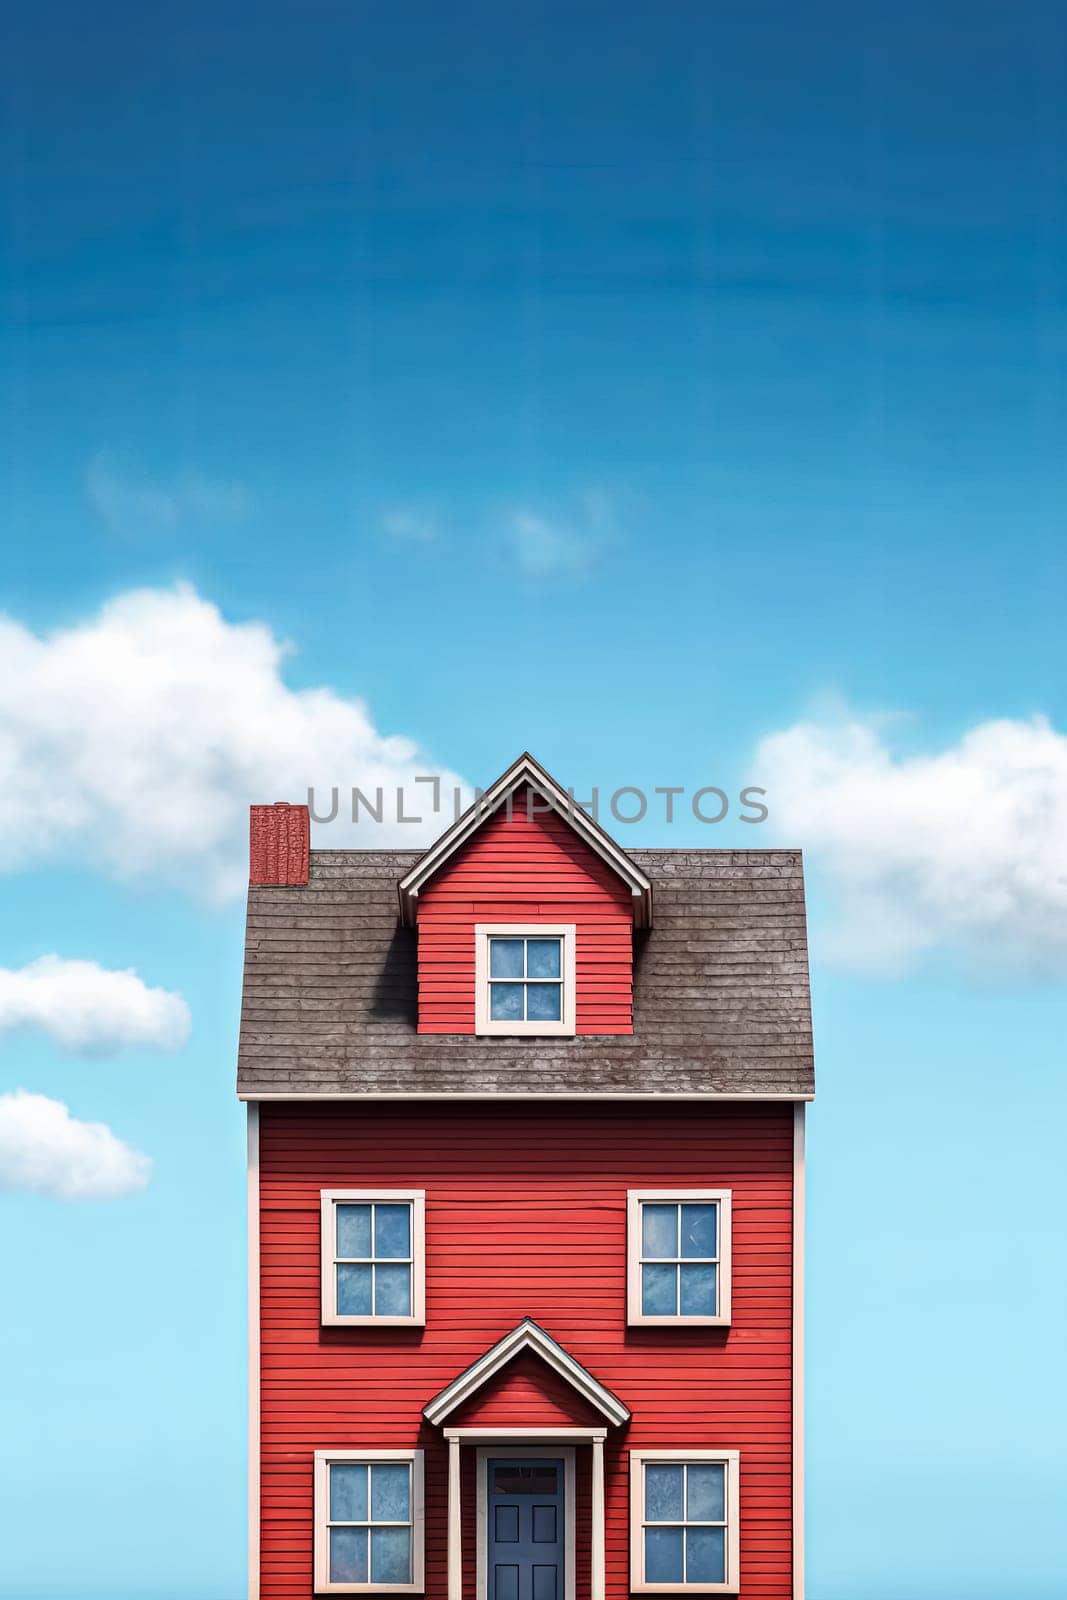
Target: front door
point(524, 1529)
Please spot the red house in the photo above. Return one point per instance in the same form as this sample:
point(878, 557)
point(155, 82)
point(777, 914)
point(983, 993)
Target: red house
point(526, 1157)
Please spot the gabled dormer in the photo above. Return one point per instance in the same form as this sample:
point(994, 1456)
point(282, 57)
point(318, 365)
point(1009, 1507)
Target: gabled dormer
point(525, 911)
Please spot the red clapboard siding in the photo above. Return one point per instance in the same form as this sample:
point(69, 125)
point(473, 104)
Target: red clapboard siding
point(526, 1216)
point(521, 868)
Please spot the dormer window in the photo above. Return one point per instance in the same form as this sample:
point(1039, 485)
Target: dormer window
point(525, 978)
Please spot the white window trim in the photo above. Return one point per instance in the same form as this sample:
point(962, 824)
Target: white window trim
point(330, 1199)
point(323, 1461)
point(731, 1459)
point(635, 1198)
point(513, 1448)
point(483, 932)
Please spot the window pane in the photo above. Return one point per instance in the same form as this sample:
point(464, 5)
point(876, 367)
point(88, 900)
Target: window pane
point(663, 1555)
point(348, 1492)
point(542, 958)
point(705, 1555)
point(353, 1291)
point(659, 1230)
point(526, 1480)
point(505, 1002)
point(390, 1555)
point(658, 1291)
point(663, 1493)
point(699, 1230)
point(505, 958)
point(353, 1230)
point(698, 1292)
point(390, 1493)
point(392, 1231)
point(392, 1291)
point(543, 1002)
point(348, 1555)
point(707, 1493)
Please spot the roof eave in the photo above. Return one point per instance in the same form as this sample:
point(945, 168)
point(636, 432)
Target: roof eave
point(409, 912)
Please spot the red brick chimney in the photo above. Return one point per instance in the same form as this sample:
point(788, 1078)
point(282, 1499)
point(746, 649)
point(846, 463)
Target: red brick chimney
point(279, 840)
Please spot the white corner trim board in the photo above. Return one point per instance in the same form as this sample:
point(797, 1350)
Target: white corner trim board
point(253, 1351)
point(799, 1201)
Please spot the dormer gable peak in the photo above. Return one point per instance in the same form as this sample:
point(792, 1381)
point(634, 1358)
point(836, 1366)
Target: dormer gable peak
point(526, 773)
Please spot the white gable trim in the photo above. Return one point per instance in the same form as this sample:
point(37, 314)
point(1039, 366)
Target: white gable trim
point(527, 771)
point(527, 1336)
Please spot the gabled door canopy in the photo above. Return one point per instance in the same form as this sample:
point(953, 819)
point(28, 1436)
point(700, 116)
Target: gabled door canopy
point(527, 1336)
point(527, 771)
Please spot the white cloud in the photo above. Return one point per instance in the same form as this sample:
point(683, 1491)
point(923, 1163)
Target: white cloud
point(548, 547)
point(90, 1010)
point(131, 504)
point(410, 526)
point(136, 739)
point(965, 848)
point(44, 1150)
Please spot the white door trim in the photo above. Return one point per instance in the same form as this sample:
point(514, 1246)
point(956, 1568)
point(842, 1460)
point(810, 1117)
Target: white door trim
point(524, 1436)
point(515, 1447)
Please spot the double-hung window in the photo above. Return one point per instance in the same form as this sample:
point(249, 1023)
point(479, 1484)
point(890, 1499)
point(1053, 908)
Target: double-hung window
point(368, 1521)
point(684, 1528)
point(679, 1257)
point(373, 1257)
point(524, 978)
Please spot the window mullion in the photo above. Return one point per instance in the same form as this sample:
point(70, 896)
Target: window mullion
point(678, 1300)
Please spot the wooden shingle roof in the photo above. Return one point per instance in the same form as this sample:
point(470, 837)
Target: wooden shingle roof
point(721, 991)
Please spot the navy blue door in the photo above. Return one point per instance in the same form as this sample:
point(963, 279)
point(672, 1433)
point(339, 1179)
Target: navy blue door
point(525, 1529)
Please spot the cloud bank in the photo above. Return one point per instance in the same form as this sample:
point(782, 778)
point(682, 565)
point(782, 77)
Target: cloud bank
point(44, 1150)
point(90, 1010)
point(136, 739)
point(965, 848)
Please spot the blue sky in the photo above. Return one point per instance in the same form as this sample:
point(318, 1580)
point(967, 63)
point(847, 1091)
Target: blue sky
point(676, 391)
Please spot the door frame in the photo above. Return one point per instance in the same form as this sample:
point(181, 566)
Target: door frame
point(514, 1448)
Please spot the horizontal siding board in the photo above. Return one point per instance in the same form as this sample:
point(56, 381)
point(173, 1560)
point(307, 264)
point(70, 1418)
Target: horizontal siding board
point(526, 1216)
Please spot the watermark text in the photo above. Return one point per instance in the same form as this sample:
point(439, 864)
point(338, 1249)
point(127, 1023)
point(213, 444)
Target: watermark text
point(630, 803)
